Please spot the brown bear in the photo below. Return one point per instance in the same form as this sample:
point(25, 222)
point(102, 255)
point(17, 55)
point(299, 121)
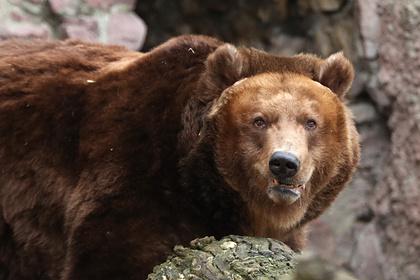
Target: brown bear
point(109, 158)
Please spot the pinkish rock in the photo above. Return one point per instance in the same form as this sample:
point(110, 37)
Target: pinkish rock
point(322, 239)
point(33, 8)
point(126, 29)
point(83, 28)
point(370, 27)
point(364, 112)
point(17, 16)
point(368, 258)
point(329, 5)
point(64, 7)
point(107, 4)
point(21, 3)
point(25, 30)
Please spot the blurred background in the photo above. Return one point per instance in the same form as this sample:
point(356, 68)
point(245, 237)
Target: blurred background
point(373, 229)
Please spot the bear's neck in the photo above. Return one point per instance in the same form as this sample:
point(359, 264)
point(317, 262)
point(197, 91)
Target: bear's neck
point(214, 203)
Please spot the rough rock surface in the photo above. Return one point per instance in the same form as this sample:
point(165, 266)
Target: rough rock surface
point(320, 26)
point(244, 258)
point(312, 267)
point(110, 21)
point(397, 197)
point(231, 258)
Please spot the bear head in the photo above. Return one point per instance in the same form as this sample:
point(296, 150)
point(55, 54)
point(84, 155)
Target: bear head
point(283, 140)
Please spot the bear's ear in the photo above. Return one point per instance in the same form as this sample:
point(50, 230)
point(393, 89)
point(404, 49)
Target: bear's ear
point(336, 73)
point(225, 66)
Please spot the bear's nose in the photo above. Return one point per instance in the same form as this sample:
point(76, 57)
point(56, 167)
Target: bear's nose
point(284, 165)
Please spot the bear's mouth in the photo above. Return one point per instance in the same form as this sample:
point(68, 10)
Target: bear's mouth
point(285, 192)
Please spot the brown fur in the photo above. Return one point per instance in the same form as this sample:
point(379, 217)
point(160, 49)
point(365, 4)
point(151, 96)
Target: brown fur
point(109, 158)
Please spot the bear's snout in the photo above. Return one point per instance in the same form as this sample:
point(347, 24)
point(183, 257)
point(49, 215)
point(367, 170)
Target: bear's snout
point(284, 165)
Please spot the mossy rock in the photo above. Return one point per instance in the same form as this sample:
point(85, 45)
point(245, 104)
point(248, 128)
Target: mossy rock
point(231, 258)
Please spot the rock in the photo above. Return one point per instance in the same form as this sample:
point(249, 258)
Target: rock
point(231, 258)
point(308, 6)
point(30, 7)
point(364, 112)
point(286, 45)
point(126, 29)
point(108, 5)
point(245, 25)
point(332, 235)
point(397, 195)
point(375, 144)
point(359, 84)
point(312, 267)
point(329, 5)
point(23, 19)
point(82, 28)
point(370, 27)
point(322, 239)
point(25, 30)
point(64, 7)
point(368, 258)
point(281, 9)
point(190, 7)
point(322, 39)
point(382, 100)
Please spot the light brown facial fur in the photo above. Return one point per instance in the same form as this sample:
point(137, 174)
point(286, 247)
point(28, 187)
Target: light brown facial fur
point(276, 112)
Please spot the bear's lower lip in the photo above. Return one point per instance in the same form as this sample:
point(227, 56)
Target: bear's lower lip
point(287, 189)
point(285, 193)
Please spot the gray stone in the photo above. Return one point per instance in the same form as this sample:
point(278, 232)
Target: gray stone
point(109, 4)
point(312, 267)
point(126, 29)
point(286, 45)
point(359, 84)
point(231, 258)
point(329, 5)
point(29, 7)
point(322, 239)
point(397, 196)
point(82, 28)
point(370, 27)
point(382, 100)
point(64, 7)
point(281, 8)
point(190, 7)
point(25, 30)
point(323, 40)
point(306, 6)
point(364, 112)
point(368, 258)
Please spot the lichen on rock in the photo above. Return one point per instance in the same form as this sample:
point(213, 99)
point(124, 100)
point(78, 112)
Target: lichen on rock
point(231, 258)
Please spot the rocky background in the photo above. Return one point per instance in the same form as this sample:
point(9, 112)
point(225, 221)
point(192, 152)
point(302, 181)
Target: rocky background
point(106, 21)
point(373, 229)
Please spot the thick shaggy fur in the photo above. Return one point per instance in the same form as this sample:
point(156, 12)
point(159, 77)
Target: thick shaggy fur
point(109, 158)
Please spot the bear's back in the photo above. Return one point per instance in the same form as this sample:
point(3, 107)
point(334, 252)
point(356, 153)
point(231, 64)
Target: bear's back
point(42, 88)
point(42, 98)
point(73, 116)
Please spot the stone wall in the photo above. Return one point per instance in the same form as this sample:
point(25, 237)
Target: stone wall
point(373, 229)
point(396, 87)
point(108, 21)
point(346, 234)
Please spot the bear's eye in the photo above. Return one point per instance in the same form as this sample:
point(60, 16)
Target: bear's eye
point(259, 122)
point(310, 124)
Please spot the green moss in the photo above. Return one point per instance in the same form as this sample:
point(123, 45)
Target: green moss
point(231, 258)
